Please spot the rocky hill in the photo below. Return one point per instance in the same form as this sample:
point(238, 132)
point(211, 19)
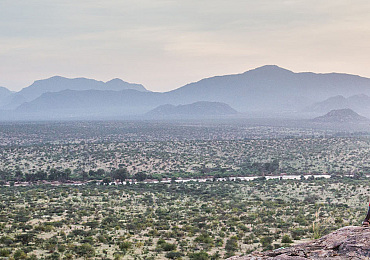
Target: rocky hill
point(341, 116)
point(360, 103)
point(345, 243)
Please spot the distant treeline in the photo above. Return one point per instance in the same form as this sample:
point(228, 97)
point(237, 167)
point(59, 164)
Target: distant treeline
point(122, 174)
point(66, 175)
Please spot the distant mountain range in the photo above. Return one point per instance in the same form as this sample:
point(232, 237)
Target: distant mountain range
point(57, 84)
point(89, 103)
point(268, 90)
point(194, 110)
point(271, 88)
point(341, 116)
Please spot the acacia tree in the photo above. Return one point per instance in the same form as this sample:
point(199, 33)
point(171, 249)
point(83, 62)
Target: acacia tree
point(141, 176)
point(121, 174)
point(18, 175)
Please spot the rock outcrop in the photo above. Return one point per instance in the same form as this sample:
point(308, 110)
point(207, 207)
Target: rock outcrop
point(345, 243)
point(341, 116)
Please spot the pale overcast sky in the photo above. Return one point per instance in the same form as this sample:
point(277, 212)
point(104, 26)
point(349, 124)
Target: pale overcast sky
point(165, 44)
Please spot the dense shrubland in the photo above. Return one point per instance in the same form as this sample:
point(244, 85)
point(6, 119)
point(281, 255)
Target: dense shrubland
point(44, 215)
point(338, 156)
point(191, 220)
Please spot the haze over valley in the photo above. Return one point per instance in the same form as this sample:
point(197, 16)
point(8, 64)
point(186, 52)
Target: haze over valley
point(268, 91)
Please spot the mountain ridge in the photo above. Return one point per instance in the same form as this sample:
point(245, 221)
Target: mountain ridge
point(58, 83)
point(267, 90)
point(274, 86)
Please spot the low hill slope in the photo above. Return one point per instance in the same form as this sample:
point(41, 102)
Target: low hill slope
point(345, 243)
point(341, 116)
point(197, 109)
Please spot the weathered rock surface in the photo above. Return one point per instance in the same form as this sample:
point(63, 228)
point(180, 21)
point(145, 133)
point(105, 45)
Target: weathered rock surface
point(345, 243)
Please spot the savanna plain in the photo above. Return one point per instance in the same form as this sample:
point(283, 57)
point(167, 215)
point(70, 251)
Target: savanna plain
point(167, 190)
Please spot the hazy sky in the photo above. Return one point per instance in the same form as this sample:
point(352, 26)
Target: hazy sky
point(165, 44)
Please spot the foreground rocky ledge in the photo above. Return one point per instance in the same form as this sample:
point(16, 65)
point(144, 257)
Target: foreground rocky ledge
point(345, 243)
